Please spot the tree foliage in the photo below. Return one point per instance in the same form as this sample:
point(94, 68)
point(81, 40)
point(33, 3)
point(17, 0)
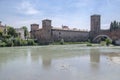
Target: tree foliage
point(12, 39)
point(25, 31)
point(114, 25)
point(12, 32)
point(1, 32)
point(108, 42)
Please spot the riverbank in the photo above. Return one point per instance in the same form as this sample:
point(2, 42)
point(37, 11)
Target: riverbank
point(30, 42)
point(84, 43)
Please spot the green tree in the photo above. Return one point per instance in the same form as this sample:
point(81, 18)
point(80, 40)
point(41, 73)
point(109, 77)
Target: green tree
point(30, 42)
point(119, 25)
point(25, 31)
point(1, 33)
point(12, 32)
point(17, 42)
point(108, 42)
point(111, 26)
point(114, 25)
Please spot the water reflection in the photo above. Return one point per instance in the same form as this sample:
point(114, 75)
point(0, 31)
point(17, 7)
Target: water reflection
point(95, 60)
point(65, 61)
point(94, 56)
point(46, 56)
point(46, 62)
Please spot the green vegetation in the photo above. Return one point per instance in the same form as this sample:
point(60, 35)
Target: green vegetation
point(114, 25)
point(11, 31)
point(30, 42)
point(2, 44)
point(89, 44)
point(16, 42)
point(25, 31)
point(102, 43)
point(108, 42)
point(12, 39)
point(62, 41)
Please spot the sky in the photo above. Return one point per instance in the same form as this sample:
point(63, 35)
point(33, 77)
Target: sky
point(72, 13)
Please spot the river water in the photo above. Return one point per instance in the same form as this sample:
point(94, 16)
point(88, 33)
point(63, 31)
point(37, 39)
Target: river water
point(60, 62)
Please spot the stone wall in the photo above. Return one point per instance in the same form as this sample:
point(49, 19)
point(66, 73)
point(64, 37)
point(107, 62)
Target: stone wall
point(69, 35)
point(47, 34)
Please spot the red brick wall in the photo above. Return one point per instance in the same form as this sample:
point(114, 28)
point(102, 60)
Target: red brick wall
point(112, 34)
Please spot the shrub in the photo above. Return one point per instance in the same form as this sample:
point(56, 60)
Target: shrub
point(102, 43)
point(24, 42)
point(30, 42)
point(9, 43)
point(89, 44)
point(2, 44)
point(108, 42)
point(17, 42)
point(62, 41)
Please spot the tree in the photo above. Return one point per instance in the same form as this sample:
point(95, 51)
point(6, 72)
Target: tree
point(12, 32)
point(108, 42)
point(25, 31)
point(114, 25)
point(1, 33)
point(119, 25)
point(111, 26)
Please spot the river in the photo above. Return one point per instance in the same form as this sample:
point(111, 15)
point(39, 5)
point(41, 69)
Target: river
point(60, 62)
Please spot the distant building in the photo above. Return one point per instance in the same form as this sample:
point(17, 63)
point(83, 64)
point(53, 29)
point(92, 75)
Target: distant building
point(20, 32)
point(3, 28)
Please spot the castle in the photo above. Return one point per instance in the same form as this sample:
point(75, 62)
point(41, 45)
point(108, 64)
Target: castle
point(48, 34)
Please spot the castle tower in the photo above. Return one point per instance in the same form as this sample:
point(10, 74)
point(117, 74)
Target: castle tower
point(34, 27)
point(95, 23)
point(46, 26)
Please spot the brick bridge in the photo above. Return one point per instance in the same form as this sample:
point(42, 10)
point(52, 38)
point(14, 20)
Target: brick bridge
point(111, 35)
point(96, 33)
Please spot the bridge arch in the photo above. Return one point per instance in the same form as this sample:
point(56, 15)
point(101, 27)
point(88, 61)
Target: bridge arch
point(100, 37)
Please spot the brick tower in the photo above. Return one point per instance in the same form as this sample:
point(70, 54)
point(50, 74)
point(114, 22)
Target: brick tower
point(95, 25)
point(46, 26)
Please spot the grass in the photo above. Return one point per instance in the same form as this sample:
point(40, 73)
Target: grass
point(67, 43)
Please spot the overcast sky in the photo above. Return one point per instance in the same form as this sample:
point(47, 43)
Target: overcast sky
point(73, 13)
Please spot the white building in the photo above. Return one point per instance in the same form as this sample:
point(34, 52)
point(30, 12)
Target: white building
point(20, 32)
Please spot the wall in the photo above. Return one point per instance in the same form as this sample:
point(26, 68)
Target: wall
point(114, 35)
point(69, 35)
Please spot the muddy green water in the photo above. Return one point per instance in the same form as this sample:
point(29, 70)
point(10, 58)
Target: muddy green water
point(60, 62)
